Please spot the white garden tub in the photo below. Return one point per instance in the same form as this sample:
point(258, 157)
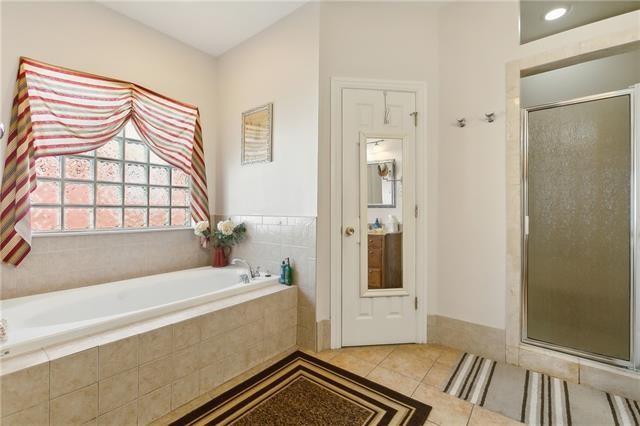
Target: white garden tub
point(46, 319)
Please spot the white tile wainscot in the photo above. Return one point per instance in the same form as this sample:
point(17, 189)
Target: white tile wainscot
point(273, 238)
point(140, 372)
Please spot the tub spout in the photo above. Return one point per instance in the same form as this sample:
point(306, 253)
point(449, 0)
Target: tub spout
point(237, 260)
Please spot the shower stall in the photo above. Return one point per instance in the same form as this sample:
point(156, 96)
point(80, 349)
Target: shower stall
point(580, 224)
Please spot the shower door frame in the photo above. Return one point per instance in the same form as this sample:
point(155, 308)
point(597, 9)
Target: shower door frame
point(634, 220)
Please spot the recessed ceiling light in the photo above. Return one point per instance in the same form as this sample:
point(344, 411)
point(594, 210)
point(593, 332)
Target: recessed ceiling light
point(554, 14)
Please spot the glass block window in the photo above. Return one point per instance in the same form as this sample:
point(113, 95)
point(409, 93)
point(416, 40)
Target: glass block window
point(120, 186)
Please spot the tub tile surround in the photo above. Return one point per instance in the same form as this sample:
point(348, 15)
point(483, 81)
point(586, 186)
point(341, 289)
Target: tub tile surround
point(269, 240)
point(70, 261)
point(137, 375)
point(73, 372)
point(611, 379)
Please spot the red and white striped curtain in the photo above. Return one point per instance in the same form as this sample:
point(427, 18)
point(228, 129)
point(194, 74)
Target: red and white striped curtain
point(57, 111)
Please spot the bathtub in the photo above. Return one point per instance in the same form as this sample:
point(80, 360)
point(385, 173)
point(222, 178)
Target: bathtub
point(41, 320)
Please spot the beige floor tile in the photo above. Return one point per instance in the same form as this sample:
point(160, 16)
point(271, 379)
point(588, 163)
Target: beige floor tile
point(352, 364)
point(449, 356)
point(372, 354)
point(438, 375)
point(393, 380)
point(481, 417)
point(428, 351)
point(407, 364)
point(446, 410)
point(324, 355)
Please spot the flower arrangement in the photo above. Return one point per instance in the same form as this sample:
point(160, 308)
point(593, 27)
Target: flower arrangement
point(226, 234)
point(202, 230)
point(223, 237)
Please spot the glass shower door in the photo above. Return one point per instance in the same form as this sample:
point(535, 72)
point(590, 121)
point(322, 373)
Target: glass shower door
point(578, 176)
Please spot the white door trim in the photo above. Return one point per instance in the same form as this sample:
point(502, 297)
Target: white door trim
point(338, 84)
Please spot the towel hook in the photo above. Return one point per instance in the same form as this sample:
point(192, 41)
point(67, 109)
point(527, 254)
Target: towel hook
point(461, 122)
point(490, 117)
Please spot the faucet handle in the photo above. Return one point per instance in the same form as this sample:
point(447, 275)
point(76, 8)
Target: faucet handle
point(256, 273)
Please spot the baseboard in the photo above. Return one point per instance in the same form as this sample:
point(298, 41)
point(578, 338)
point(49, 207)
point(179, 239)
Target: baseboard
point(306, 338)
point(467, 336)
point(323, 335)
point(604, 377)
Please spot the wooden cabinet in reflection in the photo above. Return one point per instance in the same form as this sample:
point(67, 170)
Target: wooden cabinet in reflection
point(385, 260)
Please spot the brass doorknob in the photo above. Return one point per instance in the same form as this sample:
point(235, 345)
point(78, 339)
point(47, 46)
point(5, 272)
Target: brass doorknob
point(349, 231)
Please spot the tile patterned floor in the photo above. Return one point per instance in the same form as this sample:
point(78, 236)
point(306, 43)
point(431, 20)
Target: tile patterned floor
point(415, 370)
point(418, 371)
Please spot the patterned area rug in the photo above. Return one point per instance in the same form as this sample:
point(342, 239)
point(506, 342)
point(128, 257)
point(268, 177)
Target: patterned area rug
point(535, 398)
point(302, 390)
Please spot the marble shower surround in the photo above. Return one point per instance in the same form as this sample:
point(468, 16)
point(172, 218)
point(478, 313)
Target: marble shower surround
point(571, 368)
point(272, 238)
point(63, 262)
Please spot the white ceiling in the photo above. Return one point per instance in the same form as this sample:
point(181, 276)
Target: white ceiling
point(211, 26)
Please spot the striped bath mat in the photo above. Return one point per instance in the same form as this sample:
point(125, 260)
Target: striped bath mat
point(536, 398)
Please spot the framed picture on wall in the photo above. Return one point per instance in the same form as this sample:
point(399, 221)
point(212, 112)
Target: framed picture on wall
point(257, 134)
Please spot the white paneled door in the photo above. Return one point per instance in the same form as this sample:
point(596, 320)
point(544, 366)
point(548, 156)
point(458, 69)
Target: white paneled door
point(378, 182)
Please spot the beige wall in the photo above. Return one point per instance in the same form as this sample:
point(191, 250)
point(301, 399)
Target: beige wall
point(89, 37)
point(277, 200)
point(279, 65)
point(460, 50)
point(393, 41)
point(476, 41)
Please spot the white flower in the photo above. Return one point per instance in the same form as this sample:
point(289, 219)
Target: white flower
point(226, 227)
point(201, 227)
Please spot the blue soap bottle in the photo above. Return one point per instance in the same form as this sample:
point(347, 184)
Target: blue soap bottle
point(283, 273)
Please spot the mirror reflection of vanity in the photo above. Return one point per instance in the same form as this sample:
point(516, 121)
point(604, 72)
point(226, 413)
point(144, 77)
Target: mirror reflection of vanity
point(384, 206)
point(385, 260)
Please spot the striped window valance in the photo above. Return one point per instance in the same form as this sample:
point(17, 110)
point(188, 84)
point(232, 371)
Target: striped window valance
point(57, 111)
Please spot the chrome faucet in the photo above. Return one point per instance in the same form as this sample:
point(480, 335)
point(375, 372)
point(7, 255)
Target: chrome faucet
point(237, 260)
